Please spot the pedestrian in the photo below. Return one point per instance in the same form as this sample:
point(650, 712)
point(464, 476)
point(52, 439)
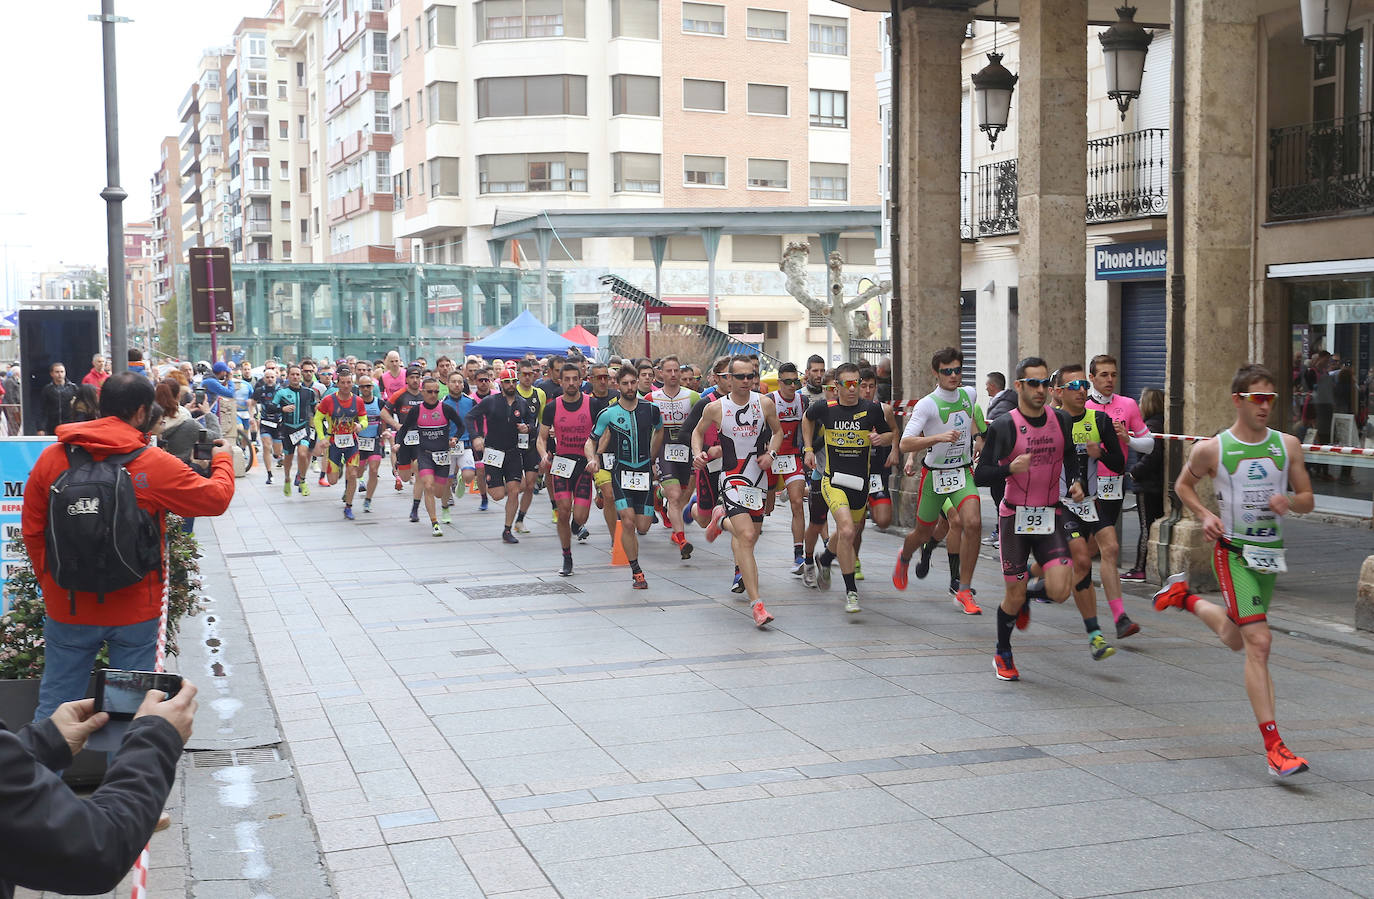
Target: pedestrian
point(884, 371)
point(55, 400)
point(1001, 400)
point(86, 403)
point(98, 373)
point(1148, 477)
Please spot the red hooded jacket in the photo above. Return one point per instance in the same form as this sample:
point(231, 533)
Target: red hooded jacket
point(163, 484)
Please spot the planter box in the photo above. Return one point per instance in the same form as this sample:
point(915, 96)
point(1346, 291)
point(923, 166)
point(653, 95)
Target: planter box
point(18, 701)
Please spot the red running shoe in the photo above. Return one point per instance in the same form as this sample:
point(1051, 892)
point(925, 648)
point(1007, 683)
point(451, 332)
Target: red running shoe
point(1173, 594)
point(714, 529)
point(1023, 617)
point(900, 576)
point(1283, 763)
point(1006, 668)
point(640, 582)
point(964, 600)
point(761, 616)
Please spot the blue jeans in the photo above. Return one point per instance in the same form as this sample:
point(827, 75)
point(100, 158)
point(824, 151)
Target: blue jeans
point(70, 651)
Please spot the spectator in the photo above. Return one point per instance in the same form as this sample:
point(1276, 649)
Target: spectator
point(1001, 400)
point(57, 841)
point(78, 623)
point(884, 371)
point(86, 403)
point(1148, 477)
point(1345, 401)
point(98, 373)
point(55, 400)
point(136, 363)
point(13, 402)
point(1323, 407)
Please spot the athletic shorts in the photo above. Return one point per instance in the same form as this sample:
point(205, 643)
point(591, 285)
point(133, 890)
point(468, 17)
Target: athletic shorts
point(601, 478)
point(289, 441)
point(674, 472)
point(268, 429)
point(817, 511)
point(837, 498)
point(1108, 511)
point(512, 470)
point(364, 455)
point(425, 463)
point(1076, 528)
point(1049, 549)
point(1247, 592)
point(405, 455)
point(729, 498)
point(708, 488)
point(930, 504)
point(780, 481)
point(339, 456)
point(465, 459)
point(641, 502)
point(882, 496)
point(531, 457)
point(578, 487)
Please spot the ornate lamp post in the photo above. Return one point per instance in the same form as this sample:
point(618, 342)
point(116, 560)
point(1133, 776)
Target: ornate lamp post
point(1124, 46)
point(1324, 21)
point(992, 87)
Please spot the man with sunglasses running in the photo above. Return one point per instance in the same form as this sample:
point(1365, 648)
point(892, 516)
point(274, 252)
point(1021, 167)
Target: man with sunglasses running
point(369, 438)
point(1252, 466)
point(674, 464)
point(497, 423)
point(788, 473)
point(483, 381)
point(339, 418)
point(438, 427)
point(628, 434)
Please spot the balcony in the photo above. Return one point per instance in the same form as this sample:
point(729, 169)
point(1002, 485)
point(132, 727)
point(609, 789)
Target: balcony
point(351, 28)
point(258, 226)
point(190, 189)
point(1321, 168)
point(1128, 176)
point(187, 107)
point(996, 199)
point(190, 134)
point(256, 144)
point(355, 143)
point(351, 87)
point(258, 187)
point(255, 106)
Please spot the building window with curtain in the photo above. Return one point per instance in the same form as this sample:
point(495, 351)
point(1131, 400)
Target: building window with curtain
point(703, 171)
point(765, 24)
point(829, 181)
point(636, 172)
point(532, 173)
point(443, 176)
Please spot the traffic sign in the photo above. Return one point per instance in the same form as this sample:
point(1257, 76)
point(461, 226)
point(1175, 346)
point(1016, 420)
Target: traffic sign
point(212, 290)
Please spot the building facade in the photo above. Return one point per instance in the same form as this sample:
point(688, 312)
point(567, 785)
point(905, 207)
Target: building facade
point(165, 194)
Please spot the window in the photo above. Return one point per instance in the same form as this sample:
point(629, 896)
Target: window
point(532, 95)
point(286, 249)
point(441, 26)
point(285, 211)
point(443, 176)
point(703, 18)
point(765, 24)
point(532, 172)
point(829, 36)
point(680, 248)
point(281, 90)
point(303, 181)
point(829, 109)
point(305, 230)
point(285, 170)
point(284, 129)
point(381, 59)
point(768, 173)
point(637, 172)
point(420, 106)
point(504, 20)
point(755, 248)
point(853, 250)
point(561, 249)
point(634, 18)
point(257, 86)
point(767, 99)
point(381, 120)
point(634, 95)
point(704, 95)
point(443, 101)
point(396, 54)
point(703, 171)
point(829, 181)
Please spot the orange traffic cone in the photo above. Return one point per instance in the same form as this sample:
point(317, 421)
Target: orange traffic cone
point(618, 556)
point(473, 488)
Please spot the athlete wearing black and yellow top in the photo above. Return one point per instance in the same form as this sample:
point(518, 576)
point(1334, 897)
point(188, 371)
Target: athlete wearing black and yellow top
point(847, 430)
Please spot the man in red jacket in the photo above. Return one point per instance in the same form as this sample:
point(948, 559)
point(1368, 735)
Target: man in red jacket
point(127, 620)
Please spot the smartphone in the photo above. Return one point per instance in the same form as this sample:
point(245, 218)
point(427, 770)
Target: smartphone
point(200, 394)
point(120, 693)
point(204, 450)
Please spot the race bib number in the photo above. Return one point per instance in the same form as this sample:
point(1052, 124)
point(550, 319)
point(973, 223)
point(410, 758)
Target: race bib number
point(1109, 487)
point(1034, 520)
point(299, 436)
point(494, 457)
point(367, 444)
point(563, 466)
point(949, 480)
point(749, 497)
point(344, 441)
point(1086, 510)
point(875, 483)
point(1268, 560)
point(522, 441)
point(608, 461)
point(440, 458)
point(634, 480)
point(412, 438)
point(676, 452)
point(784, 465)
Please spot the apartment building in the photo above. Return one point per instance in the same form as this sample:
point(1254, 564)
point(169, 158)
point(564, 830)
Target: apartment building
point(165, 191)
point(140, 250)
point(202, 153)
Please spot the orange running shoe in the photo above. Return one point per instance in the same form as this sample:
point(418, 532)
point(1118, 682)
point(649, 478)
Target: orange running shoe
point(1283, 763)
point(761, 616)
point(1173, 594)
point(640, 582)
point(1006, 668)
point(900, 576)
point(713, 530)
point(964, 600)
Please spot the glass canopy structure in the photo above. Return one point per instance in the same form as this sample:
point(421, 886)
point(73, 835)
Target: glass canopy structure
point(289, 311)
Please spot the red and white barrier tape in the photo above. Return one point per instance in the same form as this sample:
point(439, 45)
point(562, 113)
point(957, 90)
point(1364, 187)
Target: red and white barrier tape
point(1334, 449)
point(140, 872)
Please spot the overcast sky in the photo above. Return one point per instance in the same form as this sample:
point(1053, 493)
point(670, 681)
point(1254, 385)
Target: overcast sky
point(53, 154)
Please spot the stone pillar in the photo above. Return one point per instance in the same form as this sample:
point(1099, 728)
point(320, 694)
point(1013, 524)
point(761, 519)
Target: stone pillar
point(1218, 207)
point(928, 221)
point(1364, 599)
point(1052, 135)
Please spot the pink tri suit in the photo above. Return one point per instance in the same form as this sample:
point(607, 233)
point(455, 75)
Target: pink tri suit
point(572, 427)
point(1125, 410)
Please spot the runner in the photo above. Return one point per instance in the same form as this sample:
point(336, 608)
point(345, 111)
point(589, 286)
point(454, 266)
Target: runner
point(483, 384)
point(631, 434)
point(788, 473)
point(496, 424)
point(569, 417)
point(394, 378)
point(370, 438)
point(674, 404)
point(338, 420)
point(880, 471)
point(815, 377)
point(535, 399)
point(817, 512)
point(317, 449)
point(1131, 431)
point(462, 459)
point(297, 404)
point(750, 435)
point(1252, 466)
point(1031, 447)
point(428, 429)
point(394, 411)
point(946, 426)
point(269, 417)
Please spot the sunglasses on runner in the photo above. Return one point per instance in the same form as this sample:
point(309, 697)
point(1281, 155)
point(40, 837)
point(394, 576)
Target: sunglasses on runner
point(790, 382)
point(1036, 382)
point(1259, 399)
point(743, 377)
point(956, 370)
point(848, 382)
point(1076, 384)
point(435, 391)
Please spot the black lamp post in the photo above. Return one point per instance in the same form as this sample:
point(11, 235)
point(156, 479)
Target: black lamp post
point(992, 87)
point(1324, 21)
point(1124, 46)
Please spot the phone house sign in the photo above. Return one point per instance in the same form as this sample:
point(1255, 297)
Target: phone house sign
point(1145, 261)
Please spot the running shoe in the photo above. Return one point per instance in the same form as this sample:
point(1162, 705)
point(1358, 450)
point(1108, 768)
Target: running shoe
point(446, 516)
point(798, 565)
point(348, 512)
point(367, 505)
point(713, 529)
point(483, 506)
point(684, 547)
point(304, 488)
point(640, 582)
point(286, 488)
point(508, 537)
point(555, 516)
point(923, 563)
point(415, 515)
point(1023, 617)
point(279, 461)
point(437, 529)
point(1006, 667)
point(1173, 594)
point(991, 539)
point(737, 585)
point(269, 476)
point(964, 600)
point(521, 528)
point(900, 578)
point(1135, 574)
point(1125, 627)
point(1101, 648)
point(1035, 589)
point(761, 616)
point(822, 576)
point(566, 570)
point(809, 576)
point(851, 602)
point(1283, 763)
point(398, 485)
point(582, 535)
point(324, 481)
point(858, 570)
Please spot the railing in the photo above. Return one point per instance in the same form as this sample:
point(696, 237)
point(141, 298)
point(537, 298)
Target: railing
point(259, 184)
point(256, 104)
point(997, 199)
point(966, 182)
point(1128, 175)
point(257, 144)
point(1321, 168)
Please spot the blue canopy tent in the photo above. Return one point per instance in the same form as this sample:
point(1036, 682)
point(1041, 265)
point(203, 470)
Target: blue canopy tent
point(525, 334)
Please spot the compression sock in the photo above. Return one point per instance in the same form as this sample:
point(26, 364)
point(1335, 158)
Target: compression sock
point(1090, 625)
point(1005, 625)
point(1085, 583)
point(1189, 602)
point(414, 506)
point(954, 566)
point(567, 553)
point(849, 582)
point(1118, 607)
point(826, 558)
point(519, 516)
point(634, 566)
point(796, 550)
point(810, 558)
point(1270, 731)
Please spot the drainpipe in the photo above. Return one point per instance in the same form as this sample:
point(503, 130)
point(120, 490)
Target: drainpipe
point(1174, 421)
point(894, 180)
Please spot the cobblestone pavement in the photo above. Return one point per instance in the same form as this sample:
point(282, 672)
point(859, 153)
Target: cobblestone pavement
point(460, 721)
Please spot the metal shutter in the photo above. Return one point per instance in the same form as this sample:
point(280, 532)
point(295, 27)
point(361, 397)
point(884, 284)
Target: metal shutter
point(968, 336)
point(1143, 343)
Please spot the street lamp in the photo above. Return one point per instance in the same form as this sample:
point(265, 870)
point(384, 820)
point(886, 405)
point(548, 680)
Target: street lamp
point(993, 86)
point(1124, 46)
point(1324, 21)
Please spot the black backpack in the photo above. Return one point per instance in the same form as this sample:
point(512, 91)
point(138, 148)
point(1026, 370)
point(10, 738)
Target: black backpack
point(98, 539)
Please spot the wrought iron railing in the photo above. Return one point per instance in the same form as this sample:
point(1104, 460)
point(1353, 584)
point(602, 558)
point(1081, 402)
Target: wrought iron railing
point(997, 199)
point(1321, 168)
point(966, 182)
point(1128, 175)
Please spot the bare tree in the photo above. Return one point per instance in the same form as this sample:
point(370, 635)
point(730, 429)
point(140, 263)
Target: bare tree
point(834, 306)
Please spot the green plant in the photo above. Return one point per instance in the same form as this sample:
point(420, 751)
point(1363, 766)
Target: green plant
point(21, 627)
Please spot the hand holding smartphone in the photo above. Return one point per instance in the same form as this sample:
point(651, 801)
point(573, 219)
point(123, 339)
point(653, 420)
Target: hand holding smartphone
point(119, 693)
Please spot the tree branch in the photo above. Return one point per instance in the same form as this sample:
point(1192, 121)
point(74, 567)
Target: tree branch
point(793, 265)
point(876, 290)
